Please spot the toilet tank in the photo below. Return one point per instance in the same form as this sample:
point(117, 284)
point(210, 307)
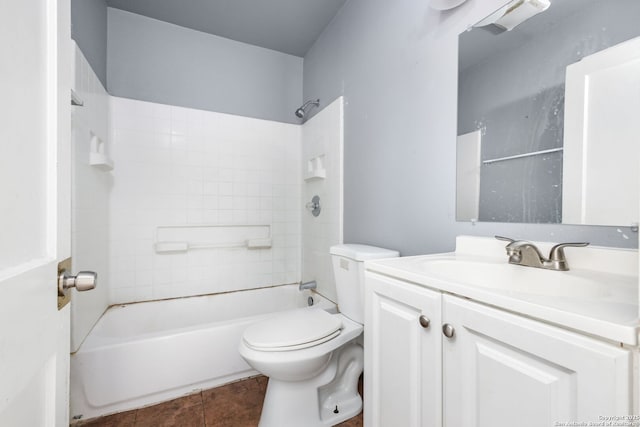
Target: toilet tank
point(348, 271)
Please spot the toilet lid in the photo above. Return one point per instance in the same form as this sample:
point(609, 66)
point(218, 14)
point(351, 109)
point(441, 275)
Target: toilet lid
point(293, 330)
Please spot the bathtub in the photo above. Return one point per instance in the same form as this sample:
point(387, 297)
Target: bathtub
point(144, 353)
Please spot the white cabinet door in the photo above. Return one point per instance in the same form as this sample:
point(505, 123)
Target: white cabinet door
point(34, 211)
point(402, 374)
point(505, 370)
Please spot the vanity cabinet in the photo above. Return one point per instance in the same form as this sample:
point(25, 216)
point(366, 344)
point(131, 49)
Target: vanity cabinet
point(491, 369)
point(403, 354)
point(501, 369)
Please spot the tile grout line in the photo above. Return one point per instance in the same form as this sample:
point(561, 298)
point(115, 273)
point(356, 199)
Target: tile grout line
point(204, 418)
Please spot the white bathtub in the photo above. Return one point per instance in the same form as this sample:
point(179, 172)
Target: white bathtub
point(144, 353)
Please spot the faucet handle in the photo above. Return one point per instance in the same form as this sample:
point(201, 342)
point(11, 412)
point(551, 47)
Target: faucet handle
point(557, 252)
point(557, 258)
point(515, 256)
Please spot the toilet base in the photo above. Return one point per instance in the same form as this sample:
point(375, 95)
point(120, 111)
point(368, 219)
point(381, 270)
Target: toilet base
point(313, 402)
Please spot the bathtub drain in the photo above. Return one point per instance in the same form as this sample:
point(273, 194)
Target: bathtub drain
point(310, 301)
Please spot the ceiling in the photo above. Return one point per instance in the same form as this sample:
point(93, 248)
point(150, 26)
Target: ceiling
point(289, 26)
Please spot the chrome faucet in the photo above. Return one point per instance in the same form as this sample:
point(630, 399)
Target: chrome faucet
point(525, 253)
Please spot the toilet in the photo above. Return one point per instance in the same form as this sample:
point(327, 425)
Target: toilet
point(314, 358)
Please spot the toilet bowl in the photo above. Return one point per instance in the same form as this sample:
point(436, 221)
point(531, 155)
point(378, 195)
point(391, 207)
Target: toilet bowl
point(313, 358)
point(308, 383)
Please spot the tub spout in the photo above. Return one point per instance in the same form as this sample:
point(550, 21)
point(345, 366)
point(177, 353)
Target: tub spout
point(308, 285)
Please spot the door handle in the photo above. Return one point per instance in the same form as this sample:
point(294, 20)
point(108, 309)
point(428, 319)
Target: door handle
point(83, 281)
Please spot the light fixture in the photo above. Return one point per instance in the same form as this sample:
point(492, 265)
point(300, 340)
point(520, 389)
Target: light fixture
point(515, 13)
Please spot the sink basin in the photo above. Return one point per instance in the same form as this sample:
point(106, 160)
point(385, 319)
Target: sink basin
point(518, 279)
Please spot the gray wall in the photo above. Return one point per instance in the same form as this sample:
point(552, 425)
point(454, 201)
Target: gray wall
point(155, 61)
point(89, 30)
point(516, 96)
point(396, 65)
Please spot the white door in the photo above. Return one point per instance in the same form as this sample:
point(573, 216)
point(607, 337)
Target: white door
point(34, 211)
point(601, 133)
point(502, 370)
point(402, 356)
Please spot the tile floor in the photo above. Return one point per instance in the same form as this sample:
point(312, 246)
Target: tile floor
point(233, 405)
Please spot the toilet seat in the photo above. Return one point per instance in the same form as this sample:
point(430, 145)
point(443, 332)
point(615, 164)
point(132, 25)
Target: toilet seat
point(293, 330)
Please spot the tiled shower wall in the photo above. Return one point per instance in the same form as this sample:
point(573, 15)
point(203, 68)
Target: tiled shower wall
point(90, 198)
point(178, 167)
point(322, 146)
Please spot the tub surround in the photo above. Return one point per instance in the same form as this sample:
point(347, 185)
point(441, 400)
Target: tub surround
point(185, 167)
point(322, 148)
point(179, 167)
point(90, 196)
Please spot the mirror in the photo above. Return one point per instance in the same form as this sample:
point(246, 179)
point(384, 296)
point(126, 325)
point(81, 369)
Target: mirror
point(532, 146)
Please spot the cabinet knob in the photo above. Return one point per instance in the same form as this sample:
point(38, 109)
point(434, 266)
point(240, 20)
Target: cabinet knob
point(424, 321)
point(448, 330)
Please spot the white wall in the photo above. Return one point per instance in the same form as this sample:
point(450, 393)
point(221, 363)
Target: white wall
point(90, 199)
point(322, 140)
point(178, 166)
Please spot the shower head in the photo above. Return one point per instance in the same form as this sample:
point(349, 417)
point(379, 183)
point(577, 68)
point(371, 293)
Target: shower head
point(300, 112)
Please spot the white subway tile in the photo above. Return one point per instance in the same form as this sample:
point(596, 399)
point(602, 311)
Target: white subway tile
point(240, 217)
point(179, 166)
point(123, 295)
point(144, 277)
point(216, 217)
point(225, 174)
point(179, 113)
point(195, 216)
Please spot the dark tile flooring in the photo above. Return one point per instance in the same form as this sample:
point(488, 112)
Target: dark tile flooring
point(233, 405)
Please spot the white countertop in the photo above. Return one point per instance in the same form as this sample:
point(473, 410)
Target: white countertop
point(608, 308)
